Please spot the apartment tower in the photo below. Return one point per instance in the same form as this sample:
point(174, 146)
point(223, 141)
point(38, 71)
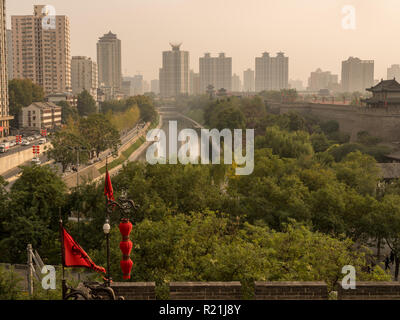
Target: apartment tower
point(215, 71)
point(174, 74)
point(109, 62)
point(272, 73)
point(248, 81)
point(357, 75)
point(41, 47)
point(84, 76)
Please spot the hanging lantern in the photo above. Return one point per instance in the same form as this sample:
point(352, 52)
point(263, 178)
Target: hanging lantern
point(125, 227)
point(126, 266)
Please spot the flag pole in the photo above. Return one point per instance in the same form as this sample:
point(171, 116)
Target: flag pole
point(63, 281)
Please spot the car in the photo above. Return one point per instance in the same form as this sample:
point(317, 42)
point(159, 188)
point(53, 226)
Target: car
point(37, 136)
point(13, 143)
point(36, 161)
point(42, 141)
point(25, 143)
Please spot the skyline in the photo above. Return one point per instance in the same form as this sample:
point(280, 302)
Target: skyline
point(311, 34)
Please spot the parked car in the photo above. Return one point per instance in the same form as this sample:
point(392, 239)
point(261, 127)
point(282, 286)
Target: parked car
point(42, 141)
point(4, 147)
point(13, 143)
point(25, 143)
point(36, 161)
point(37, 136)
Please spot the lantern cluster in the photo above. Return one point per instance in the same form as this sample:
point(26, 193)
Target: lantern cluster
point(125, 227)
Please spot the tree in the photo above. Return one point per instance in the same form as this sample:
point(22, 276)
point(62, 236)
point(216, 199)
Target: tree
point(99, 133)
point(32, 215)
point(86, 104)
point(65, 146)
point(22, 93)
point(67, 112)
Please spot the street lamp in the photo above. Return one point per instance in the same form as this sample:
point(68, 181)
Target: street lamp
point(106, 229)
point(124, 206)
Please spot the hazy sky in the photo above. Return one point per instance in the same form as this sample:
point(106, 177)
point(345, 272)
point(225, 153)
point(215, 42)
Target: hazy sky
point(308, 31)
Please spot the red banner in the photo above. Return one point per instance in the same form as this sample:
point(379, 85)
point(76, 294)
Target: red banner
point(108, 189)
point(74, 255)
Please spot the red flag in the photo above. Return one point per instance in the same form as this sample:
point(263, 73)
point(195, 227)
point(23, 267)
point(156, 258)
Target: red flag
point(74, 255)
point(108, 189)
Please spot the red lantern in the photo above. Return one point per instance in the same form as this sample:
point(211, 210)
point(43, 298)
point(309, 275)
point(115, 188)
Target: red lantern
point(126, 247)
point(125, 227)
point(126, 266)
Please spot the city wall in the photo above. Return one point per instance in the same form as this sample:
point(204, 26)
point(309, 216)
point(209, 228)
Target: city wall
point(13, 160)
point(285, 290)
point(382, 123)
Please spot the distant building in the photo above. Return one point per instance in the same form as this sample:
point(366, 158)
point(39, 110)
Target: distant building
point(215, 71)
point(4, 111)
point(58, 97)
point(174, 73)
point(393, 72)
point(385, 94)
point(248, 81)
point(272, 73)
point(10, 57)
point(42, 55)
point(126, 87)
point(146, 86)
point(84, 76)
point(236, 83)
point(40, 115)
point(109, 62)
point(296, 84)
point(357, 75)
point(155, 86)
point(322, 80)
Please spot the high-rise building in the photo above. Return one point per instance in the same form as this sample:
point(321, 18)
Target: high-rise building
point(194, 83)
point(393, 72)
point(215, 71)
point(84, 76)
point(42, 51)
point(4, 111)
point(10, 56)
point(174, 74)
point(272, 73)
point(357, 75)
point(236, 83)
point(155, 86)
point(248, 81)
point(322, 80)
point(109, 62)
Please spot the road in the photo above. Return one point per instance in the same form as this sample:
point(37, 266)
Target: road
point(12, 174)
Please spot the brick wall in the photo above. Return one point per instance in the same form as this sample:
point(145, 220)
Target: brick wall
point(205, 290)
point(291, 290)
point(371, 291)
point(135, 290)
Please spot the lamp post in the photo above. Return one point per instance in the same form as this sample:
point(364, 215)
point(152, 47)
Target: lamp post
point(124, 206)
point(106, 229)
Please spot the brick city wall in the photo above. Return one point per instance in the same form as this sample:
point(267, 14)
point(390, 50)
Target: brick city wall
point(205, 290)
point(371, 291)
point(291, 290)
point(285, 290)
point(382, 123)
point(135, 290)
